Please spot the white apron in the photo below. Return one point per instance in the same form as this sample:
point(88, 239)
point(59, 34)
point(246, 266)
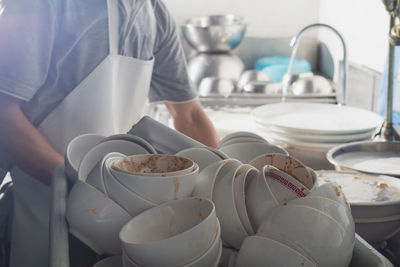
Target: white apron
point(106, 102)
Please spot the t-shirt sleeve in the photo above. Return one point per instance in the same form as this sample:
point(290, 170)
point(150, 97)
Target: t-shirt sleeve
point(170, 80)
point(26, 39)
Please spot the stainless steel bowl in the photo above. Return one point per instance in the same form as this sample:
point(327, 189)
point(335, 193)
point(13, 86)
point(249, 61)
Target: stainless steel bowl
point(306, 83)
point(219, 33)
point(224, 66)
point(216, 86)
point(252, 76)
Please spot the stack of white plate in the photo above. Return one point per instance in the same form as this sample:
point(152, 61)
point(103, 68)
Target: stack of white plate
point(309, 130)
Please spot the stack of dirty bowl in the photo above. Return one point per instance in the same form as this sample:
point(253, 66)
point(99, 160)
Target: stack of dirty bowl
point(112, 188)
point(183, 232)
point(298, 223)
point(308, 130)
point(270, 209)
point(374, 201)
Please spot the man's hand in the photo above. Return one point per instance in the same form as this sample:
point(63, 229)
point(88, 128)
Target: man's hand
point(24, 145)
point(190, 119)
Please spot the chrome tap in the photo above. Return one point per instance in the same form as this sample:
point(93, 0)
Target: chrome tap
point(295, 43)
point(387, 132)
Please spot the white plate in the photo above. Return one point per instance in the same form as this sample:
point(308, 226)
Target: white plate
point(317, 118)
point(316, 138)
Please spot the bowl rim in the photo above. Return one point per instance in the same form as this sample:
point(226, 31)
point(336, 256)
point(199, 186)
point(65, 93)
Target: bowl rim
point(390, 218)
point(238, 21)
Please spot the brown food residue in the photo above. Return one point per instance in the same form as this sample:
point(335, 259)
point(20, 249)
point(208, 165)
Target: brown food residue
point(176, 188)
point(337, 191)
point(93, 211)
point(171, 225)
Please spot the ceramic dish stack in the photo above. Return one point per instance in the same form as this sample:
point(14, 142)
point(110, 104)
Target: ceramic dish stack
point(374, 201)
point(273, 213)
point(111, 187)
point(308, 130)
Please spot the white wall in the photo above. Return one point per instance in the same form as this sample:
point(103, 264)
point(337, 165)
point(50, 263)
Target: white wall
point(265, 18)
point(364, 25)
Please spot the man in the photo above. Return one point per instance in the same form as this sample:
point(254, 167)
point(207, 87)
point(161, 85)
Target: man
point(70, 67)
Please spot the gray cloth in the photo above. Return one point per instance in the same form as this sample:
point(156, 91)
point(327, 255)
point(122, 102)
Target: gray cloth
point(48, 47)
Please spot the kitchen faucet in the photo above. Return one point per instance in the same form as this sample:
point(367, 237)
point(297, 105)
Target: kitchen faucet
point(295, 44)
point(387, 132)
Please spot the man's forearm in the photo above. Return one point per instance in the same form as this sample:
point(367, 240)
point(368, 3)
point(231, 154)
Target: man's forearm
point(24, 144)
point(190, 119)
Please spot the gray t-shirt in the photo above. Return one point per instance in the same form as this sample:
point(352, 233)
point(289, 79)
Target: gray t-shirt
point(47, 47)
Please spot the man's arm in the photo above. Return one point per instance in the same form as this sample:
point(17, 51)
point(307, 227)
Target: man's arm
point(25, 146)
point(190, 119)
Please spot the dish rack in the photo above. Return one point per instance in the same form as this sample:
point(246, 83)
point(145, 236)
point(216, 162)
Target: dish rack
point(59, 252)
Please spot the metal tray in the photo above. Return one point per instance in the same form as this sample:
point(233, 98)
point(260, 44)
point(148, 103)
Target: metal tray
point(367, 156)
point(59, 253)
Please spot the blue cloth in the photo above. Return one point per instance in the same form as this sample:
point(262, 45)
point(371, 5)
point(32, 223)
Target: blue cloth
point(396, 90)
point(277, 66)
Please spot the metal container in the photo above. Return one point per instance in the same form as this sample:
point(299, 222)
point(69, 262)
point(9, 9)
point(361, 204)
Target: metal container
point(252, 76)
point(219, 33)
point(224, 66)
point(306, 83)
point(216, 86)
point(367, 157)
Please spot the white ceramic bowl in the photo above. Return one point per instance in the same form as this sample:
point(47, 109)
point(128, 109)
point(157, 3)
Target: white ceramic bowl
point(207, 177)
point(258, 251)
point(159, 189)
point(154, 165)
point(96, 154)
point(177, 232)
point(287, 164)
point(323, 238)
point(259, 199)
point(127, 199)
point(126, 261)
point(241, 183)
point(377, 230)
point(233, 231)
point(241, 134)
point(202, 156)
point(76, 150)
point(246, 152)
point(339, 212)
point(113, 261)
point(96, 175)
point(212, 255)
point(287, 242)
point(228, 257)
point(95, 219)
point(284, 186)
point(331, 191)
point(238, 140)
point(134, 139)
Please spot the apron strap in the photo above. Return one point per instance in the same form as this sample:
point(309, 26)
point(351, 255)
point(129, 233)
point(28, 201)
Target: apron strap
point(113, 21)
point(113, 24)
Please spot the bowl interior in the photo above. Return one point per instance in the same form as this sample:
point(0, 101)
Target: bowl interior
point(152, 164)
point(216, 20)
point(166, 221)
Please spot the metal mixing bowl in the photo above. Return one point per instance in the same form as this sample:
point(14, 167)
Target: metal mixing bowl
point(216, 86)
point(224, 65)
point(252, 76)
point(219, 33)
